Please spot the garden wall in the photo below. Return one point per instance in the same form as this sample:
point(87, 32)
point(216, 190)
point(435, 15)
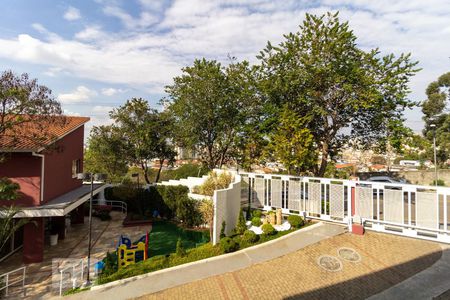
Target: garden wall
point(227, 204)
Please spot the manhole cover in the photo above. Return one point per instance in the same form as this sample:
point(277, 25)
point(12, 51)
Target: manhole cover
point(349, 254)
point(330, 263)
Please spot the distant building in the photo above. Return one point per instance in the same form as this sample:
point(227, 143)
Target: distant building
point(410, 163)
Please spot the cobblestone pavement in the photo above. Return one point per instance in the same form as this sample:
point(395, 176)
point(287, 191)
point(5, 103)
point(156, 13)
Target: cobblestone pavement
point(74, 246)
point(385, 261)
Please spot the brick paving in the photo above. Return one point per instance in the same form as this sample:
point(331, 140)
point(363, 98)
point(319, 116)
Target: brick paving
point(386, 261)
point(104, 238)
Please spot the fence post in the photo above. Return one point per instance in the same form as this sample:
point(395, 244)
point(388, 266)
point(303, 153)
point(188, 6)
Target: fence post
point(23, 282)
point(7, 283)
point(60, 282)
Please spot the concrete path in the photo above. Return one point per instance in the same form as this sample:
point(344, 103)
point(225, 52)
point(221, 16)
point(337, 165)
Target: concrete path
point(160, 280)
point(428, 284)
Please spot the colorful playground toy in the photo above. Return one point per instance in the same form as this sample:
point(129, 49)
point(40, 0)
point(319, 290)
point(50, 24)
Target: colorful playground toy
point(128, 254)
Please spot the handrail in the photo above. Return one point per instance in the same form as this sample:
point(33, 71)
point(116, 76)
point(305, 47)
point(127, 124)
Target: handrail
point(9, 283)
point(74, 274)
point(114, 204)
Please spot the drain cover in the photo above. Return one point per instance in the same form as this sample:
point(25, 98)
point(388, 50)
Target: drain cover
point(329, 263)
point(349, 254)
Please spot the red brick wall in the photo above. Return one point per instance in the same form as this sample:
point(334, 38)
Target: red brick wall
point(24, 169)
point(58, 165)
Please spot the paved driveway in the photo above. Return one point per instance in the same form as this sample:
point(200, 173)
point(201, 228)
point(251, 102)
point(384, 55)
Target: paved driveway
point(385, 260)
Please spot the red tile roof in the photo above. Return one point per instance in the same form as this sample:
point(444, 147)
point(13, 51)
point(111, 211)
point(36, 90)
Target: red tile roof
point(34, 135)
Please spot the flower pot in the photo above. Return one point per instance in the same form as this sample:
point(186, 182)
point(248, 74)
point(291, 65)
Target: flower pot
point(53, 239)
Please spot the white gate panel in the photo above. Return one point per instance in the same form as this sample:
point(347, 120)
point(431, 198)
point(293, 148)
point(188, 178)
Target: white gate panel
point(314, 197)
point(258, 198)
point(294, 194)
point(363, 202)
point(276, 193)
point(426, 210)
point(337, 200)
point(393, 206)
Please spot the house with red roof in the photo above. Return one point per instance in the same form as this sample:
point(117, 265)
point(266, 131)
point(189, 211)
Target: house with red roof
point(44, 157)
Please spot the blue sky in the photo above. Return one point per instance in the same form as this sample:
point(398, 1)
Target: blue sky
point(95, 54)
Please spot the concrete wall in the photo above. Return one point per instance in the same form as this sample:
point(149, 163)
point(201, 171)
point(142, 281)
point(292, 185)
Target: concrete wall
point(227, 204)
point(425, 177)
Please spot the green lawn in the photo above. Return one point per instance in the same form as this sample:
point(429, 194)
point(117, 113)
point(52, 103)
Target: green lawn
point(164, 236)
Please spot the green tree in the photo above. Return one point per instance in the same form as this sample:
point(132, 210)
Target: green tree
point(436, 111)
point(210, 104)
point(135, 123)
point(206, 208)
point(106, 153)
point(9, 192)
point(292, 143)
point(346, 93)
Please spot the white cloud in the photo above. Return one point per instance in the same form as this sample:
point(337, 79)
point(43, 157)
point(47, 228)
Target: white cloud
point(145, 18)
point(90, 33)
point(72, 14)
point(81, 94)
point(102, 109)
point(112, 91)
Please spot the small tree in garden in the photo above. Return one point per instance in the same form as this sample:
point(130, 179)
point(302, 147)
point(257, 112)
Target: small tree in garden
point(222, 230)
point(241, 227)
point(207, 210)
point(180, 249)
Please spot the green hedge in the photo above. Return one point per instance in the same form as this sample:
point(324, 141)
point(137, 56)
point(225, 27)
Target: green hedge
point(296, 221)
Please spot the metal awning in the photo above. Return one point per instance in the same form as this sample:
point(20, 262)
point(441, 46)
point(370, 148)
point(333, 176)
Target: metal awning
point(62, 205)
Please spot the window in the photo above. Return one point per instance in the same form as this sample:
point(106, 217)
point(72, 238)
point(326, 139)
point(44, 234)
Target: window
point(76, 167)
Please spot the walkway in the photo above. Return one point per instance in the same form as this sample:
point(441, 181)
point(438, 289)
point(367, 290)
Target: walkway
point(160, 280)
point(385, 261)
point(104, 236)
point(431, 283)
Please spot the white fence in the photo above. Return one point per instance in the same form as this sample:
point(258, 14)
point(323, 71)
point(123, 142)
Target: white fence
point(13, 283)
point(71, 273)
point(411, 210)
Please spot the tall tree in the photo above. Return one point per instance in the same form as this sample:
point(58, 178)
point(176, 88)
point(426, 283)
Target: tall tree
point(210, 104)
point(347, 93)
point(436, 110)
point(133, 121)
point(23, 100)
point(106, 153)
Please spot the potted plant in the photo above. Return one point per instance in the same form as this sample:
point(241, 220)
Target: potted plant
point(53, 236)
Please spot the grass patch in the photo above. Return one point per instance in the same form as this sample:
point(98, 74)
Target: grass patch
point(75, 291)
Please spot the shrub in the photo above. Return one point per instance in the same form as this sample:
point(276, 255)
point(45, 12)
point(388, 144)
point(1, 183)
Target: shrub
point(440, 182)
point(256, 221)
point(187, 210)
point(249, 237)
point(180, 251)
point(214, 182)
point(222, 229)
point(296, 221)
point(268, 229)
point(256, 213)
point(241, 226)
point(228, 245)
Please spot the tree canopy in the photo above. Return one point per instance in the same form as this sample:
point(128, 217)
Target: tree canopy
point(346, 92)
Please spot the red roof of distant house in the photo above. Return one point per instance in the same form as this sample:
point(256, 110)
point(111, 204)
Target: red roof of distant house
point(346, 165)
point(378, 166)
point(35, 135)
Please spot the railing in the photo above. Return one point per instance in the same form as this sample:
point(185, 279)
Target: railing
point(122, 206)
point(11, 279)
point(75, 273)
point(405, 209)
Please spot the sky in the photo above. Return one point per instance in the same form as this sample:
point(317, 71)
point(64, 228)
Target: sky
point(96, 54)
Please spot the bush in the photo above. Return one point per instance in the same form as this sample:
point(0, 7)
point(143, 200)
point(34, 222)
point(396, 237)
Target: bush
point(256, 221)
point(222, 229)
point(187, 210)
point(249, 237)
point(241, 226)
point(228, 245)
point(440, 182)
point(256, 213)
point(268, 229)
point(296, 221)
point(214, 182)
point(180, 251)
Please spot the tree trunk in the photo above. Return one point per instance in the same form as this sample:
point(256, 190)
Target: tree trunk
point(324, 161)
point(145, 169)
point(161, 161)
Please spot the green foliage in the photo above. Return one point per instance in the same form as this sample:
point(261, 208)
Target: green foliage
point(210, 104)
point(9, 190)
point(249, 237)
point(241, 227)
point(228, 245)
point(102, 214)
point(207, 211)
point(256, 221)
point(440, 182)
point(184, 171)
point(214, 182)
point(106, 153)
point(110, 261)
point(180, 250)
point(296, 221)
point(436, 112)
point(75, 291)
point(332, 84)
point(268, 229)
point(256, 213)
point(222, 229)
